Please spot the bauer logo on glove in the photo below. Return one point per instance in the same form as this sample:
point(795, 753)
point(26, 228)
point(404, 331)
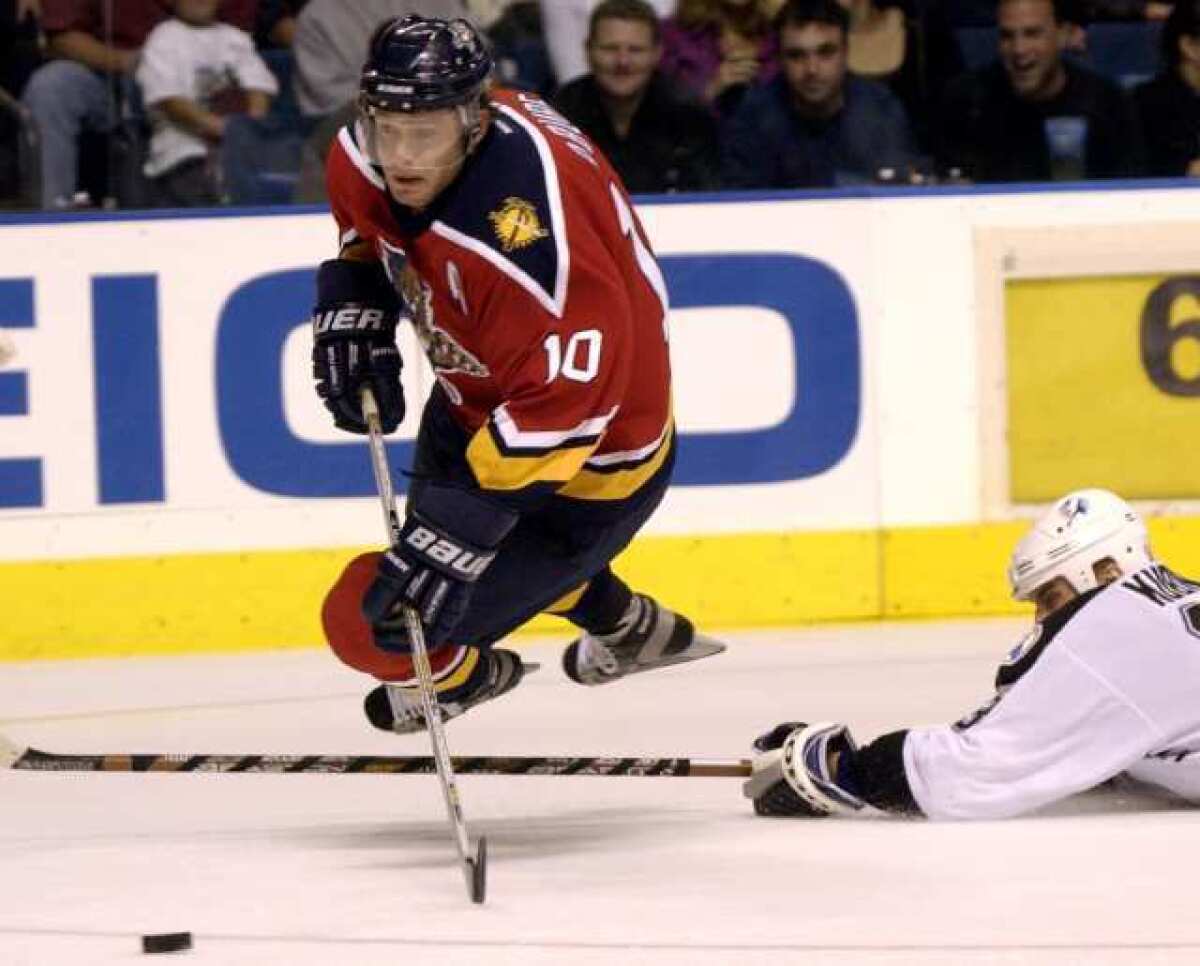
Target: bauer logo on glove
point(354, 344)
point(468, 564)
point(448, 540)
point(351, 318)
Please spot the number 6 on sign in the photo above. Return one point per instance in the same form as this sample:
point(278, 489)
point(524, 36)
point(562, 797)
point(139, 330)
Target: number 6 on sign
point(579, 361)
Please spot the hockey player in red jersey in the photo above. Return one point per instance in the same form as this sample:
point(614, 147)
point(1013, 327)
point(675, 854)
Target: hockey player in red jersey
point(1106, 684)
point(509, 242)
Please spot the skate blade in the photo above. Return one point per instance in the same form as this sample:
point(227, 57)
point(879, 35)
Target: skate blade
point(701, 647)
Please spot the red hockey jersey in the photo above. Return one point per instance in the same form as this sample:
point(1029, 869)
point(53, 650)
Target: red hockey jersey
point(537, 299)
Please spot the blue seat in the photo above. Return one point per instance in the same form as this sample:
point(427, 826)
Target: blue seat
point(1129, 53)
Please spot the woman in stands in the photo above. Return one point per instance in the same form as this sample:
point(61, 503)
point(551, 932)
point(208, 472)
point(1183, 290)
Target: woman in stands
point(910, 47)
point(714, 49)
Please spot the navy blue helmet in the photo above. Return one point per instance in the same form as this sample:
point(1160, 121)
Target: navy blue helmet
point(417, 63)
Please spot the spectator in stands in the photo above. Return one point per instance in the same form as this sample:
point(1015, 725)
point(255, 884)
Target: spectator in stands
point(484, 13)
point(656, 141)
point(19, 56)
point(1033, 116)
point(330, 46)
point(566, 29)
point(1170, 103)
point(275, 26)
point(519, 48)
point(18, 43)
point(193, 73)
point(715, 49)
point(816, 125)
point(95, 46)
point(911, 49)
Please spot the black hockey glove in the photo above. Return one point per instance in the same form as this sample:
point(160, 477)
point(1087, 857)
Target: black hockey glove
point(448, 540)
point(354, 343)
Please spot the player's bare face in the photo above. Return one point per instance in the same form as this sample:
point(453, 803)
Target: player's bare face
point(1055, 593)
point(420, 153)
point(623, 56)
point(1051, 596)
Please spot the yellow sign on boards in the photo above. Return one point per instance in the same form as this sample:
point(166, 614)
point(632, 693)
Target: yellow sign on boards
point(1104, 386)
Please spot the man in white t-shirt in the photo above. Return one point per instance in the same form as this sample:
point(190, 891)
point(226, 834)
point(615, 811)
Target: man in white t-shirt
point(194, 72)
point(1107, 683)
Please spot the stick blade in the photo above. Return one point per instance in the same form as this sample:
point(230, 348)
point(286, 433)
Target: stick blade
point(479, 872)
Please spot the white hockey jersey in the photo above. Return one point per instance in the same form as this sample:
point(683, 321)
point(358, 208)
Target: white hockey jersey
point(1109, 684)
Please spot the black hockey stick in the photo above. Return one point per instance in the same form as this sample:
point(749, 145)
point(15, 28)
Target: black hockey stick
point(33, 759)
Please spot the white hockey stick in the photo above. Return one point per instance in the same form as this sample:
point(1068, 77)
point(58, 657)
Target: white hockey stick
point(474, 869)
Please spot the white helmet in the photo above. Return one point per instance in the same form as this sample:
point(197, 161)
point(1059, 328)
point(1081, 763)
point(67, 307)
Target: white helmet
point(1081, 529)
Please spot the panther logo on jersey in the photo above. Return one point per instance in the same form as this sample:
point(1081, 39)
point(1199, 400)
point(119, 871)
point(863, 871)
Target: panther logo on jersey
point(517, 224)
point(444, 352)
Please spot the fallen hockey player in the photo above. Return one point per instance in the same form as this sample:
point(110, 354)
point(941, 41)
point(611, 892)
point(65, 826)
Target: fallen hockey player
point(1106, 684)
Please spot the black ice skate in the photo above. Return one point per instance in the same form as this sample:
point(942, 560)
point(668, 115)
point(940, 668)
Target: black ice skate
point(650, 636)
point(391, 707)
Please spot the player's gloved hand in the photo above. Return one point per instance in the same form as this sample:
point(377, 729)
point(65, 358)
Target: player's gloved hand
point(794, 774)
point(448, 540)
point(354, 343)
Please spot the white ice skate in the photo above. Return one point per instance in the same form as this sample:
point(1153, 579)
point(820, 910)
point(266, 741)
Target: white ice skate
point(650, 636)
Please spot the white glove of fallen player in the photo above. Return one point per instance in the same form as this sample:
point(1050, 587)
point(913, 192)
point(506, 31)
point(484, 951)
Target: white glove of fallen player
point(794, 774)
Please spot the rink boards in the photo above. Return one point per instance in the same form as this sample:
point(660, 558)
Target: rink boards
point(875, 390)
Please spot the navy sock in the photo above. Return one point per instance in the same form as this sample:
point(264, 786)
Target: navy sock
point(602, 605)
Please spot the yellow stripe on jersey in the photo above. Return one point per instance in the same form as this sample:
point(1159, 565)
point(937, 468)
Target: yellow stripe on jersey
point(567, 600)
point(594, 485)
point(496, 471)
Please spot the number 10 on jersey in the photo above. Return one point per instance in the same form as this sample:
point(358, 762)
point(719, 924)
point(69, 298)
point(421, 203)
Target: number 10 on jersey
point(578, 359)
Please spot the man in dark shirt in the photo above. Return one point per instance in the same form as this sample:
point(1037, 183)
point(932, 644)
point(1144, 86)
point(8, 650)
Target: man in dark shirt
point(1170, 103)
point(815, 125)
point(95, 46)
point(657, 141)
point(1033, 116)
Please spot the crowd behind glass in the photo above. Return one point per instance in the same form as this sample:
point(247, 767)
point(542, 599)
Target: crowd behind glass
point(177, 103)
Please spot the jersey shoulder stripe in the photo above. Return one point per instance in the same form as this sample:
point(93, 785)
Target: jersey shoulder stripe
point(348, 141)
point(516, 223)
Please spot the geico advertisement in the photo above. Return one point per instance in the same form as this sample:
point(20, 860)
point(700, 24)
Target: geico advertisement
point(162, 383)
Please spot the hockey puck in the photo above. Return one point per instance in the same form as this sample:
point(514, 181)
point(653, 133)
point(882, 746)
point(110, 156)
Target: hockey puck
point(167, 942)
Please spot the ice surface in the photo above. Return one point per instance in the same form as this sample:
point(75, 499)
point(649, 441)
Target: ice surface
point(360, 869)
